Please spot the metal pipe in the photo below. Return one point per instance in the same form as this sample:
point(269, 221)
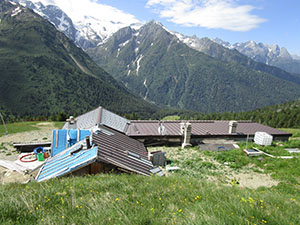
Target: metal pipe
point(88, 143)
point(6, 131)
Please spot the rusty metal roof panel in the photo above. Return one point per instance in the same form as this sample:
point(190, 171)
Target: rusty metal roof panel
point(172, 128)
point(215, 128)
point(199, 128)
point(251, 128)
point(151, 128)
point(122, 151)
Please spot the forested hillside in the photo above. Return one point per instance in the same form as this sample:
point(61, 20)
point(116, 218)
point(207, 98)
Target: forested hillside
point(43, 73)
point(284, 115)
point(156, 65)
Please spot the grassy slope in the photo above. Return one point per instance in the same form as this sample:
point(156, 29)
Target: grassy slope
point(186, 197)
point(24, 127)
point(125, 199)
point(295, 132)
point(18, 127)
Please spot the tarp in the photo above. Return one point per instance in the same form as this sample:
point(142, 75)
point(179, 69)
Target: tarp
point(62, 139)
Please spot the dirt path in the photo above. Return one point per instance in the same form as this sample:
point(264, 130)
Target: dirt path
point(7, 176)
point(254, 180)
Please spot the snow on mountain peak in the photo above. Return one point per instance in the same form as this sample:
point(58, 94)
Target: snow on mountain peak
point(136, 26)
point(102, 19)
point(11, 2)
point(295, 57)
point(265, 53)
point(16, 11)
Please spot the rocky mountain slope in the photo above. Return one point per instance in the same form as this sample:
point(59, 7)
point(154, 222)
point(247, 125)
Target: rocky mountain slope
point(269, 54)
point(155, 64)
point(230, 54)
point(43, 72)
point(86, 29)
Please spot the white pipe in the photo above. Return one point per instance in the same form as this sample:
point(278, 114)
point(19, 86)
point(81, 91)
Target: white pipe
point(6, 131)
point(272, 156)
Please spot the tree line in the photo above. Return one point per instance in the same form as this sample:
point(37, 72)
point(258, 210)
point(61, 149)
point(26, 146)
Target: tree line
point(285, 115)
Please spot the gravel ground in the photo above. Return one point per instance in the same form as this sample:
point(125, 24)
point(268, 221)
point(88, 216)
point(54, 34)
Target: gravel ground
point(8, 152)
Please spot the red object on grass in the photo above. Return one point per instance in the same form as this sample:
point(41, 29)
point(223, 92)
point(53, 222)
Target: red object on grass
point(32, 160)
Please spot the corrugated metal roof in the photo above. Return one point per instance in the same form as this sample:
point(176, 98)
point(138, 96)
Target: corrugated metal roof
point(122, 151)
point(150, 128)
point(199, 128)
point(100, 116)
point(113, 120)
point(87, 120)
point(67, 161)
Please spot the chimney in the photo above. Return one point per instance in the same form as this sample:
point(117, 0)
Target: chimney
point(161, 128)
point(72, 123)
point(232, 126)
point(182, 127)
point(187, 132)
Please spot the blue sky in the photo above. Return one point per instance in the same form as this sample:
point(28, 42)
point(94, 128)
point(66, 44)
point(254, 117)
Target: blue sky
point(267, 21)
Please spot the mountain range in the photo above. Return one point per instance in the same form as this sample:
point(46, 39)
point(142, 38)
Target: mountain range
point(269, 54)
point(155, 64)
point(162, 67)
point(224, 53)
point(86, 30)
point(44, 73)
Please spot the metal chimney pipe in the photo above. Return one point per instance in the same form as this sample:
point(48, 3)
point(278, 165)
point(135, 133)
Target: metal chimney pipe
point(232, 126)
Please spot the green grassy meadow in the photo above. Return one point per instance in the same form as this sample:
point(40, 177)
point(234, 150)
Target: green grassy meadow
point(171, 118)
point(184, 197)
point(134, 199)
point(25, 127)
point(59, 124)
point(294, 131)
point(18, 127)
point(203, 191)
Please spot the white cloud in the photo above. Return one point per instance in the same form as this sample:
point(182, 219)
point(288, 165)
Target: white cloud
point(225, 14)
point(90, 17)
point(77, 10)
